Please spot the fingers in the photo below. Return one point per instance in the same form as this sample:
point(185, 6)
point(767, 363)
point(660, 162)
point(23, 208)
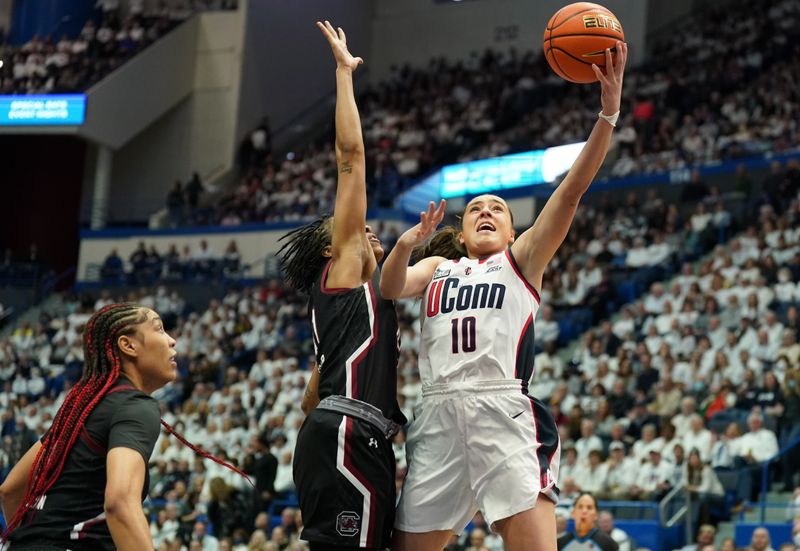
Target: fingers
point(620, 59)
point(326, 31)
point(330, 28)
point(609, 62)
point(439, 214)
point(342, 36)
point(599, 74)
point(624, 59)
point(359, 60)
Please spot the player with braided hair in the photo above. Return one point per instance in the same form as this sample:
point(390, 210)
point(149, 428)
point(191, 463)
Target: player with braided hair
point(82, 485)
point(344, 466)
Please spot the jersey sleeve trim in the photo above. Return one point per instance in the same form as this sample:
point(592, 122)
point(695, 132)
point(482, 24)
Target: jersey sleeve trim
point(517, 270)
point(330, 290)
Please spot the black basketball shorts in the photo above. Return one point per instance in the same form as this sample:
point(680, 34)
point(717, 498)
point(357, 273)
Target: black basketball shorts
point(344, 471)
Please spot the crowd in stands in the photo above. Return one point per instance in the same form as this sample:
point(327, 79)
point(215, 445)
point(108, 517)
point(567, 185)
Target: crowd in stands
point(685, 105)
point(53, 65)
point(693, 385)
point(148, 266)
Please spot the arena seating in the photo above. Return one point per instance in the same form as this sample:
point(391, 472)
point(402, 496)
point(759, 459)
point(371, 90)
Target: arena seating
point(57, 65)
point(707, 288)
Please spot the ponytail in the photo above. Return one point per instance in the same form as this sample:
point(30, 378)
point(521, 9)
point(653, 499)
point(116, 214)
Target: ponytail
point(444, 243)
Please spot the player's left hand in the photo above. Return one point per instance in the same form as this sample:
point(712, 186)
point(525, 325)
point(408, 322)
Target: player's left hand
point(611, 81)
point(338, 41)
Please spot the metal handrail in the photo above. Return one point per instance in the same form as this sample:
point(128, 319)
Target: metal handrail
point(765, 474)
point(665, 501)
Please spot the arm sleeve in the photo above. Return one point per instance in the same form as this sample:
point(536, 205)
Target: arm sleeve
point(135, 424)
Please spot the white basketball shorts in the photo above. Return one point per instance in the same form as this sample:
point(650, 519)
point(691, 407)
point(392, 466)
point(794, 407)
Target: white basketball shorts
point(471, 446)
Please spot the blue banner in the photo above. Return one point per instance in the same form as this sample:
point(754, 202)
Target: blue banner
point(42, 110)
point(511, 171)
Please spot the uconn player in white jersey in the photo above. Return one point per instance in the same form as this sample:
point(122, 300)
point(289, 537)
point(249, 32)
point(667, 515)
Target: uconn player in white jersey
point(478, 441)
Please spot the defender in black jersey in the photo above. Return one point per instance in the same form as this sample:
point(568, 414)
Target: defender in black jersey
point(71, 514)
point(344, 467)
point(81, 487)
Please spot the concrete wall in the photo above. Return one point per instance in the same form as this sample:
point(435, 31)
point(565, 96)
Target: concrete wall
point(121, 105)
point(198, 134)
point(416, 30)
point(288, 67)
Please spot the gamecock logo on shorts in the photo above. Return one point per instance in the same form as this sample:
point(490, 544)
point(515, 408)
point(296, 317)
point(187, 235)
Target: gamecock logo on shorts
point(348, 523)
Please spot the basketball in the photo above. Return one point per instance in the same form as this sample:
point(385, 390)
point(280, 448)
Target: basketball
point(577, 36)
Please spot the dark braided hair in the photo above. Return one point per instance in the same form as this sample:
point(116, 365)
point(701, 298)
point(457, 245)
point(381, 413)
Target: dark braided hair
point(301, 255)
point(101, 371)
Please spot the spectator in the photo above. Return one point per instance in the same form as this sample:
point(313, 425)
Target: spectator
point(758, 444)
point(591, 476)
point(705, 488)
point(201, 537)
point(605, 522)
point(477, 538)
point(176, 203)
point(266, 468)
point(698, 438)
point(112, 269)
point(682, 421)
point(652, 481)
point(760, 540)
point(705, 536)
point(725, 449)
point(193, 190)
point(547, 330)
point(587, 442)
point(695, 191)
point(226, 508)
point(620, 473)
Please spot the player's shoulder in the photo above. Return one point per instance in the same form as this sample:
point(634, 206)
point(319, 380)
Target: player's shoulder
point(125, 394)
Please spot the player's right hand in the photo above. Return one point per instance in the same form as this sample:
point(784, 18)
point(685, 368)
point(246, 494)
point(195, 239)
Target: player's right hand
point(338, 41)
point(428, 222)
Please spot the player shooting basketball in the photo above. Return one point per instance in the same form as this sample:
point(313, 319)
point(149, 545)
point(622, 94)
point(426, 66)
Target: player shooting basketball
point(478, 440)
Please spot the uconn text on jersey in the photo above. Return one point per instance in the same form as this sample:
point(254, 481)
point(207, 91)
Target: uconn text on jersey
point(447, 295)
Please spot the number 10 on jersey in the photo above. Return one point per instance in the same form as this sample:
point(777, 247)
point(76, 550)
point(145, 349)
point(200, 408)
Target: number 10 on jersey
point(466, 332)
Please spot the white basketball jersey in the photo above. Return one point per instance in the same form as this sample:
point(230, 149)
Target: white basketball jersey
point(477, 322)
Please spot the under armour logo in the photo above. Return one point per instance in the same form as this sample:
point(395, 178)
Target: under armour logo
point(373, 443)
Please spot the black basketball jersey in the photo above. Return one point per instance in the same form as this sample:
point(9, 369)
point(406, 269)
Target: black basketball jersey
point(356, 341)
point(71, 514)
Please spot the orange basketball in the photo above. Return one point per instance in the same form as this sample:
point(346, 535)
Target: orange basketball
point(577, 36)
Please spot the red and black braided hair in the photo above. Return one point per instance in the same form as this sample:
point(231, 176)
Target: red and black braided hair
point(101, 370)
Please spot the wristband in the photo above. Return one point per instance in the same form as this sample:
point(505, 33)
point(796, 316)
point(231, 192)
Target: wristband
point(610, 119)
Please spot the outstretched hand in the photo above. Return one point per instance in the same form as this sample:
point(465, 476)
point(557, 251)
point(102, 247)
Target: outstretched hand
point(611, 81)
point(338, 41)
point(428, 222)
